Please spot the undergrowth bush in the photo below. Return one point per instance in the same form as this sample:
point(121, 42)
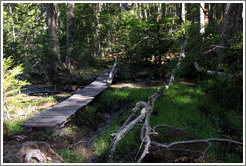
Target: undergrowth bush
point(11, 82)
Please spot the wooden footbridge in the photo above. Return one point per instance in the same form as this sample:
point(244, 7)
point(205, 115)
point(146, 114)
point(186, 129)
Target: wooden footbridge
point(59, 114)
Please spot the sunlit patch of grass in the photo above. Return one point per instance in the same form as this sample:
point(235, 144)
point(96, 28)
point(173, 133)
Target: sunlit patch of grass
point(22, 107)
point(70, 156)
point(102, 142)
point(179, 106)
point(14, 127)
point(69, 130)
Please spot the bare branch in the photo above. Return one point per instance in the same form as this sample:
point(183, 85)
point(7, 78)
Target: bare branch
point(209, 145)
point(147, 137)
point(195, 141)
point(169, 126)
point(124, 130)
point(134, 112)
point(210, 72)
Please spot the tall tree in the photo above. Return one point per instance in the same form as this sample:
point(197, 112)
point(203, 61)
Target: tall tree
point(202, 18)
point(239, 19)
point(183, 12)
point(70, 34)
point(210, 14)
point(53, 37)
point(225, 29)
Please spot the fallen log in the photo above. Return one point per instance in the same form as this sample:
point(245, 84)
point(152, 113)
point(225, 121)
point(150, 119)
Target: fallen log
point(210, 72)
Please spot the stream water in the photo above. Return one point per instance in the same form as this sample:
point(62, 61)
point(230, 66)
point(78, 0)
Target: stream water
point(36, 89)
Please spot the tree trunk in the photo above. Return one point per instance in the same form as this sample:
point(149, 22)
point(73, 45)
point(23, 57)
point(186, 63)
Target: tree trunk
point(12, 21)
point(13, 29)
point(239, 20)
point(178, 13)
point(101, 54)
point(70, 33)
point(52, 29)
point(210, 15)
point(225, 29)
point(202, 18)
point(183, 12)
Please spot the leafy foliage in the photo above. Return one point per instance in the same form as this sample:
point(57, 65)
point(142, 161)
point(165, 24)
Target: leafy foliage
point(12, 79)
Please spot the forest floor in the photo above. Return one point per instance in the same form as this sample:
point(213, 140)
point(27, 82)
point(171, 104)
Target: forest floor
point(86, 136)
point(72, 136)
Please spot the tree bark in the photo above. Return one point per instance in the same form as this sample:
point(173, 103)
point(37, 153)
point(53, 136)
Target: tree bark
point(225, 28)
point(178, 13)
point(202, 18)
point(239, 19)
point(53, 37)
point(12, 21)
point(70, 33)
point(98, 25)
point(183, 12)
point(13, 28)
point(210, 15)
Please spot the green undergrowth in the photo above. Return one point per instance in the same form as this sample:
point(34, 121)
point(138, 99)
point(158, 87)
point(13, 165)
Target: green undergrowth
point(69, 156)
point(21, 107)
point(182, 106)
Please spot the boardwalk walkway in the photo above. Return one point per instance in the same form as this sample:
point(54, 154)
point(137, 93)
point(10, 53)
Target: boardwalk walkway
point(59, 114)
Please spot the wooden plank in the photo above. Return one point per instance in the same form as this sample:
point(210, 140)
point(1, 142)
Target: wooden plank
point(103, 81)
point(95, 87)
point(30, 124)
point(102, 78)
point(48, 119)
point(71, 104)
point(50, 116)
point(105, 73)
point(62, 111)
point(98, 83)
point(93, 93)
point(55, 113)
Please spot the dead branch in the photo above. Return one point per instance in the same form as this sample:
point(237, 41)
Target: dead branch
point(195, 141)
point(169, 126)
point(147, 135)
point(151, 102)
point(182, 54)
point(110, 79)
point(210, 72)
point(209, 145)
point(213, 48)
point(147, 110)
point(124, 130)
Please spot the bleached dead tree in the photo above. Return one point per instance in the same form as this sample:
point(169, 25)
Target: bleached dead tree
point(211, 72)
point(147, 131)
